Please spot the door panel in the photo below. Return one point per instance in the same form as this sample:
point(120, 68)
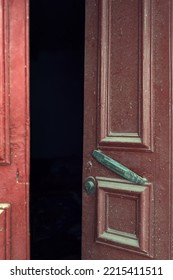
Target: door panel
point(14, 130)
point(125, 69)
point(4, 82)
point(128, 117)
point(5, 231)
point(127, 227)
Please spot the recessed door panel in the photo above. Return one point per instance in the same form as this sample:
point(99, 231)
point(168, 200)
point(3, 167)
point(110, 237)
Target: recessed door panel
point(5, 231)
point(4, 83)
point(124, 215)
point(125, 95)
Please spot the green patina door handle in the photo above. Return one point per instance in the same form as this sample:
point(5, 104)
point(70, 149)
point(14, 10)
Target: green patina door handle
point(118, 168)
point(90, 185)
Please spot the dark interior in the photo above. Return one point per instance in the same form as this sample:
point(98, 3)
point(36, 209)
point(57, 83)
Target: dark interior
point(57, 78)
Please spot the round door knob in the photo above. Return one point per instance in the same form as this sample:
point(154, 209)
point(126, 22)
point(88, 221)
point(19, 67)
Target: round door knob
point(90, 185)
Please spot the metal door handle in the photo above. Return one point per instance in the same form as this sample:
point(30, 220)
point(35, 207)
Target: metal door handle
point(90, 185)
point(118, 168)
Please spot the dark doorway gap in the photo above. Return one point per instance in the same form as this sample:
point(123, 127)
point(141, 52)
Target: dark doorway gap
point(56, 63)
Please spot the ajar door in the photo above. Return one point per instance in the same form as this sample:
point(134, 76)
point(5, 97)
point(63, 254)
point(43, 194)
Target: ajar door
point(14, 133)
point(128, 128)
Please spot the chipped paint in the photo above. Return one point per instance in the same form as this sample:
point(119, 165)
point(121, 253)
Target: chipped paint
point(4, 205)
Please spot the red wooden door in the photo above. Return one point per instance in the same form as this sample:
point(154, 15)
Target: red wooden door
point(128, 117)
point(14, 133)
